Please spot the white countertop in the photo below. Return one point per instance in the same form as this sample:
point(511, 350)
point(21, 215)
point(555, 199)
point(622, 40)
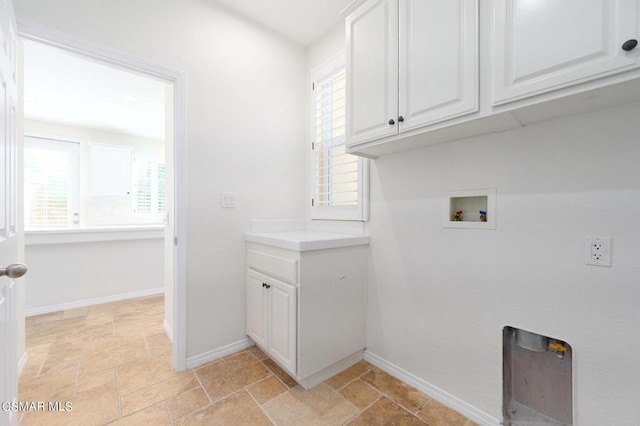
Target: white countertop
point(306, 240)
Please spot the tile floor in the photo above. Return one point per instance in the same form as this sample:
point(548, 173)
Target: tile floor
point(113, 363)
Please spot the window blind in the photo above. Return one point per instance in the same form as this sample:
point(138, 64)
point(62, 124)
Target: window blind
point(336, 176)
point(50, 179)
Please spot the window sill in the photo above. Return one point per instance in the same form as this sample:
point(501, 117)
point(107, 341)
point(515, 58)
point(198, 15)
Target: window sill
point(87, 235)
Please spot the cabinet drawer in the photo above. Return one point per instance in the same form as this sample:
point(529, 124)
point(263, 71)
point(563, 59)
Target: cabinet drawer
point(275, 266)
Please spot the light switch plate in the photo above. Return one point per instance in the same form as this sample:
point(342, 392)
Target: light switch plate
point(229, 200)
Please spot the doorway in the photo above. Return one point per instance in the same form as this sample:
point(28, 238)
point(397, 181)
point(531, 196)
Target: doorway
point(173, 173)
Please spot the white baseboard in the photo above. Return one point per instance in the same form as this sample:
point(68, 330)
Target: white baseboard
point(22, 363)
point(89, 302)
point(167, 329)
point(432, 391)
point(198, 360)
point(330, 371)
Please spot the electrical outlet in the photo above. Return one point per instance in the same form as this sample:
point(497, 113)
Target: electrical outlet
point(597, 251)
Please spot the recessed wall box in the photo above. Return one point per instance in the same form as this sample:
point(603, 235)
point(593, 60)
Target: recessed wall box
point(471, 209)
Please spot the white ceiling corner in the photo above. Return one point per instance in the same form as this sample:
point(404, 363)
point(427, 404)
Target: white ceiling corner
point(303, 21)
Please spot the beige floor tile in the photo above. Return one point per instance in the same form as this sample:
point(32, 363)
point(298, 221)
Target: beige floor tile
point(93, 380)
point(258, 353)
point(318, 406)
point(385, 413)
point(39, 337)
point(68, 325)
point(229, 375)
point(187, 402)
point(159, 392)
point(98, 406)
point(61, 357)
point(111, 309)
point(360, 394)
point(36, 356)
point(154, 416)
point(267, 389)
point(351, 373)
point(111, 351)
point(405, 395)
point(289, 381)
point(53, 386)
point(238, 409)
point(143, 373)
point(436, 414)
point(158, 343)
point(76, 312)
point(46, 318)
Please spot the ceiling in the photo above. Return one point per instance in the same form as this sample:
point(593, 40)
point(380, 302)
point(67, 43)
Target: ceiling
point(60, 87)
point(303, 21)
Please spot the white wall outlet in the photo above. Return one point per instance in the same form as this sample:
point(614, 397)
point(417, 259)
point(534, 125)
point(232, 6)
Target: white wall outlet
point(229, 200)
point(597, 251)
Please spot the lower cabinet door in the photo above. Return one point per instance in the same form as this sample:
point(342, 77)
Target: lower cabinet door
point(257, 308)
point(282, 345)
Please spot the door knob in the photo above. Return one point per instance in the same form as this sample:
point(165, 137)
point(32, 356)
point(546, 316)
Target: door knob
point(391, 122)
point(15, 270)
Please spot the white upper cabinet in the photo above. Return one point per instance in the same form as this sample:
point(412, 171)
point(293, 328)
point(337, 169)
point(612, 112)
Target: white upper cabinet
point(410, 63)
point(438, 61)
point(544, 45)
point(372, 71)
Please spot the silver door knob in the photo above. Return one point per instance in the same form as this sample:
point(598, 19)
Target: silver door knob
point(15, 270)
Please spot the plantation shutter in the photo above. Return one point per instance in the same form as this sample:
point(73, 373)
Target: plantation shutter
point(143, 187)
point(50, 183)
point(336, 175)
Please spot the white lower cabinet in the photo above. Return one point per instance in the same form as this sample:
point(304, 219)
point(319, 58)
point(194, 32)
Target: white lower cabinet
point(271, 317)
point(306, 309)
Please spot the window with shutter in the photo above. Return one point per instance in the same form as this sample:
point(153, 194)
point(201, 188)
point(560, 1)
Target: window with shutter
point(339, 179)
point(120, 186)
point(148, 189)
point(50, 183)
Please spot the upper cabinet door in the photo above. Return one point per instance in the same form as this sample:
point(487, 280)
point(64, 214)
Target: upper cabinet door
point(438, 60)
point(372, 71)
point(543, 45)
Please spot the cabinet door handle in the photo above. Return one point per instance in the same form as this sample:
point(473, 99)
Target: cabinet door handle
point(629, 45)
point(400, 119)
point(264, 285)
point(391, 122)
point(268, 286)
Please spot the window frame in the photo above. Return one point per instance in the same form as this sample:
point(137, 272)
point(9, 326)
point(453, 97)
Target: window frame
point(359, 212)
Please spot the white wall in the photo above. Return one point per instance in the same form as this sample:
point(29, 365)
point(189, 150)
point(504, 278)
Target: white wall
point(245, 113)
point(439, 298)
point(67, 273)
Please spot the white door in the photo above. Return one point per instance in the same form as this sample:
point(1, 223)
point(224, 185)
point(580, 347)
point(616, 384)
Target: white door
point(282, 324)
point(372, 71)
point(438, 61)
point(256, 308)
point(8, 215)
point(545, 45)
